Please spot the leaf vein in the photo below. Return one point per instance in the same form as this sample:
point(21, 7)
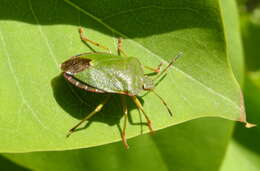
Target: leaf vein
point(190, 77)
point(24, 100)
point(148, 7)
point(42, 34)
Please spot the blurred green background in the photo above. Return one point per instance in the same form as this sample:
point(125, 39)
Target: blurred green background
point(203, 144)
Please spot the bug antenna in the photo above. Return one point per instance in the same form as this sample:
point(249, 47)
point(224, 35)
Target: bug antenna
point(164, 103)
point(170, 64)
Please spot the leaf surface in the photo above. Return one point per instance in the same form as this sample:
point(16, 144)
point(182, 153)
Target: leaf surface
point(183, 147)
point(40, 106)
point(246, 142)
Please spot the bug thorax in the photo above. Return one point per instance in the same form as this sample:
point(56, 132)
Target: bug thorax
point(75, 65)
point(148, 83)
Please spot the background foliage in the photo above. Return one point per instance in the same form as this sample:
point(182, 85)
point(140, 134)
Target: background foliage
point(201, 144)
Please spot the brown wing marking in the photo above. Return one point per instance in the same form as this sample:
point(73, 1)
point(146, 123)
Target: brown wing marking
point(75, 65)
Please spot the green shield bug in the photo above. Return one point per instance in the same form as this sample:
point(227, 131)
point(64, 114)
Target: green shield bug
point(108, 73)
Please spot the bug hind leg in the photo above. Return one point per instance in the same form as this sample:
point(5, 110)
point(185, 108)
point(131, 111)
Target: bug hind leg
point(123, 100)
point(96, 110)
point(139, 105)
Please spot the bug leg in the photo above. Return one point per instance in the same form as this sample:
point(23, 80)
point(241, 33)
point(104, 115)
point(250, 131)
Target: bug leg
point(96, 110)
point(139, 105)
point(169, 65)
point(164, 103)
point(85, 39)
point(119, 47)
point(125, 122)
point(155, 70)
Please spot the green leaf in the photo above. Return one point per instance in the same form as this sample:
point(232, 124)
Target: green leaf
point(240, 158)
point(245, 144)
point(40, 107)
point(251, 37)
point(8, 165)
point(188, 146)
point(231, 24)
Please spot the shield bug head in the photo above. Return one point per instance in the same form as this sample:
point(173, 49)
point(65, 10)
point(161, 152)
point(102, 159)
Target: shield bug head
point(148, 83)
point(111, 74)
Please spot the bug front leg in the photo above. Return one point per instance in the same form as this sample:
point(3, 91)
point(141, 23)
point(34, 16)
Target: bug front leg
point(169, 65)
point(125, 121)
point(96, 110)
point(155, 70)
point(85, 39)
point(139, 105)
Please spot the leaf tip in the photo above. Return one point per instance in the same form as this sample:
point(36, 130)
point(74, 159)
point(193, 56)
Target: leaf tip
point(249, 125)
point(243, 113)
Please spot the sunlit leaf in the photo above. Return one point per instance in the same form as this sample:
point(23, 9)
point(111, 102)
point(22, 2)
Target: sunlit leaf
point(39, 106)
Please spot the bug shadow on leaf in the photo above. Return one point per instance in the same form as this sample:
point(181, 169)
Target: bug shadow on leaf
point(79, 103)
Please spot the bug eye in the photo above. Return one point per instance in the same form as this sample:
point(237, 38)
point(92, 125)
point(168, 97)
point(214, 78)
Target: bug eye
point(147, 88)
point(148, 84)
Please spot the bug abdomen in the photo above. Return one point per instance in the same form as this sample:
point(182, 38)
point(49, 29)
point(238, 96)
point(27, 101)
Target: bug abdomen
point(75, 82)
